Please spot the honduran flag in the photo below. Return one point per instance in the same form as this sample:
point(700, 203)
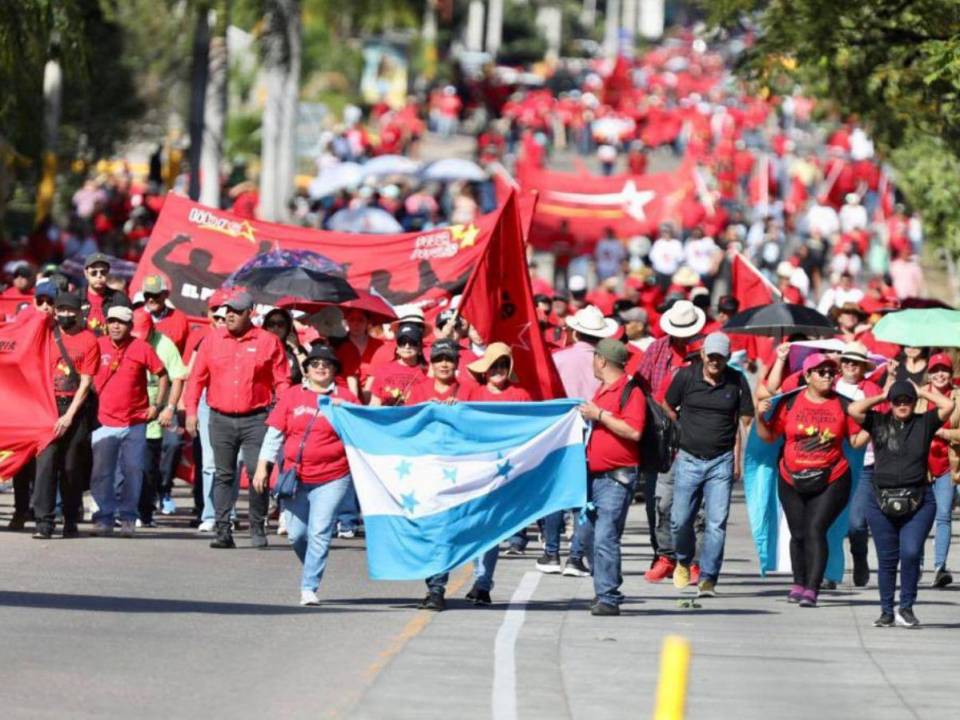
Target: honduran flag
point(441, 484)
point(771, 535)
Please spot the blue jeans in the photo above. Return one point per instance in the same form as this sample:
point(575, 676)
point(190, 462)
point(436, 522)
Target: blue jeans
point(943, 491)
point(606, 515)
point(348, 514)
point(857, 517)
point(483, 567)
point(582, 540)
point(117, 476)
point(551, 528)
point(709, 481)
point(310, 521)
point(900, 540)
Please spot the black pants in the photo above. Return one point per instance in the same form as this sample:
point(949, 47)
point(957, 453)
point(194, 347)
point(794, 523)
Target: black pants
point(64, 463)
point(159, 469)
point(230, 436)
point(809, 517)
point(23, 488)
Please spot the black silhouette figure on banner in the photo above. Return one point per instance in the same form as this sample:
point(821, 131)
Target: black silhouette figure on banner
point(193, 282)
point(380, 282)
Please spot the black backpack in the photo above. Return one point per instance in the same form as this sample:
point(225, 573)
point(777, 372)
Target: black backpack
point(660, 439)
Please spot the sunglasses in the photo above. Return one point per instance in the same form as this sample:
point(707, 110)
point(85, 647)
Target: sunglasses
point(825, 372)
point(326, 364)
point(41, 301)
point(97, 272)
point(903, 400)
point(279, 322)
point(151, 296)
point(444, 358)
point(407, 342)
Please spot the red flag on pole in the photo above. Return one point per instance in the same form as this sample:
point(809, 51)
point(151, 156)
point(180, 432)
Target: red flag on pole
point(26, 386)
point(748, 285)
point(498, 302)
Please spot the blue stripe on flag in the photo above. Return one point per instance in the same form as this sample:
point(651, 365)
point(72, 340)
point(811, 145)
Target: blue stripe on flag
point(450, 430)
point(403, 548)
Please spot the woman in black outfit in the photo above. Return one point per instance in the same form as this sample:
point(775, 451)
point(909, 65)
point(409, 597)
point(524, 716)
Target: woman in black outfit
point(902, 507)
point(279, 322)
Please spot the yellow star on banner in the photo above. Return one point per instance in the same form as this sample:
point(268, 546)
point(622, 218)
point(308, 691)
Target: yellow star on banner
point(465, 235)
point(246, 231)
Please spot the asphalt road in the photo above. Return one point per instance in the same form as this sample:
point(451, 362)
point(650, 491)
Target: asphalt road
point(161, 626)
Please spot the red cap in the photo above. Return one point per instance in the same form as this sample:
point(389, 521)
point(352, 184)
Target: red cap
point(941, 359)
point(218, 298)
point(816, 360)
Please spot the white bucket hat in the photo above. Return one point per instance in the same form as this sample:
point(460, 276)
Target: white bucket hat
point(683, 320)
point(590, 321)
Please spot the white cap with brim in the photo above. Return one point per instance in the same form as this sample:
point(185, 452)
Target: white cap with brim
point(590, 321)
point(121, 313)
point(683, 320)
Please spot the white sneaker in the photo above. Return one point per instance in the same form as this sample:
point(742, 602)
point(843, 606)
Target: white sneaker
point(346, 534)
point(127, 528)
point(207, 526)
point(309, 598)
point(282, 524)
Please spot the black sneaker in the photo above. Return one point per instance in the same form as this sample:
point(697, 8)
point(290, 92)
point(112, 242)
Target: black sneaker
point(479, 597)
point(258, 540)
point(942, 577)
point(70, 531)
point(906, 618)
point(861, 571)
point(828, 585)
point(223, 542)
point(575, 567)
point(601, 609)
point(18, 521)
point(42, 533)
point(549, 564)
point(434, 601)
point(885, 620)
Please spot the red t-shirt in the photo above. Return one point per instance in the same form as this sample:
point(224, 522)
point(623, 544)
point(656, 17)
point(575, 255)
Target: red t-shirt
point(96, 320)
point(607, 451)
point(175, 326)
point(350, 361)
point(426, 390)
point(196, 337)
point(121, 381)
point(511, 393)
point(813, 434)
point(324, 457)
point(393, 382)
point(84, 352)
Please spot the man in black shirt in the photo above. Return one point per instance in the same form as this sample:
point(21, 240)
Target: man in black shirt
point(710, 401)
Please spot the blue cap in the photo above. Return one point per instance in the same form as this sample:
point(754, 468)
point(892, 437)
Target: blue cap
point(46, 289)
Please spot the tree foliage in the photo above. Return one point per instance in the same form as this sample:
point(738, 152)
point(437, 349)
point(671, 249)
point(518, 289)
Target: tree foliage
point(895, 64)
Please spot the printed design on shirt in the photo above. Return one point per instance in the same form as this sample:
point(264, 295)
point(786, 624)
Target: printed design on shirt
point(815, 434)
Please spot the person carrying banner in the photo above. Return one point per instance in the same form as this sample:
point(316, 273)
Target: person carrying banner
point(65, 463)
point(443, 387)
point(119, 444)
point(902, 508)
point(815, 479)
point(308, 442)
point(241, 367)
point(711, 402)
point(496, 383)
point(617, 411)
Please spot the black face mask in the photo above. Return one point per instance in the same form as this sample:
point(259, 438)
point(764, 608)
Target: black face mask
point(67, 322)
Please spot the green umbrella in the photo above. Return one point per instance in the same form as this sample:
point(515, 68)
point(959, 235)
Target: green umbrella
point(920, 328)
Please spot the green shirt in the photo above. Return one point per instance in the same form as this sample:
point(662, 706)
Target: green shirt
point(170, 357)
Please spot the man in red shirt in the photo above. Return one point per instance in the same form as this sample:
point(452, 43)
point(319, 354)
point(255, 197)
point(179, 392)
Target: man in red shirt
point(613, 455)
point(242, 368)
point(65, 462)
point(96, 268)
point(20, 292)
point(166, 319)
point(121, 440)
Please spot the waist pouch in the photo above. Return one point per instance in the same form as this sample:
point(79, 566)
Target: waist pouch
point(811, 480)
point(900, 502)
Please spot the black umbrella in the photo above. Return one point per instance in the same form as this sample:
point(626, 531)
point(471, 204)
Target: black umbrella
point(268, 284)
point(780, 320)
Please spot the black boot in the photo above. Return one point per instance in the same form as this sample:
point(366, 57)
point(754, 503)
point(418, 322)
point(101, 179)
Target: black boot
point(258, 535)
point(861, 570)
point(224, 539)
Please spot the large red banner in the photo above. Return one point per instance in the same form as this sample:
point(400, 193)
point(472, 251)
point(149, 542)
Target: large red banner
point(26, 388)
point(196, 248)
point(588, 204)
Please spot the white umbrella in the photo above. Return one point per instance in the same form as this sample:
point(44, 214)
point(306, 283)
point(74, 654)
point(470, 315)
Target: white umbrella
point(335, 179)
point(451, 169)
point(390, 165)
point(364, 220)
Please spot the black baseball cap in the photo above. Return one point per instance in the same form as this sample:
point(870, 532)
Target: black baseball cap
point(409, 331)
point(67, 300)
point(94, 258)
point(322, 352)
point(444, 348)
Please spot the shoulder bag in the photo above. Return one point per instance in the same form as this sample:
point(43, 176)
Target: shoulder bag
point(289, 480)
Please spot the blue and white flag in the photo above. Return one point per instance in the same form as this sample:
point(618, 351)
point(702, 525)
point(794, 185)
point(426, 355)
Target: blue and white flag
point(440, 484)
point(771, 535)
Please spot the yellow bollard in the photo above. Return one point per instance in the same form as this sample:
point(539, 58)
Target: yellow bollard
point(672, 686)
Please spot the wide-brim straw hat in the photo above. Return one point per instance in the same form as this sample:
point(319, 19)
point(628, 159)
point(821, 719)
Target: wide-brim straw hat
point(493, 352)
point(590, 321)
point(683, 320)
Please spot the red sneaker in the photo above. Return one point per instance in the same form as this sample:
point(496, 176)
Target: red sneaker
point(694, 574)
point(661, 570)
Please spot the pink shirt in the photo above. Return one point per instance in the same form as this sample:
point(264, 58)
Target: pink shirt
point(907, 278)
point(575, 365)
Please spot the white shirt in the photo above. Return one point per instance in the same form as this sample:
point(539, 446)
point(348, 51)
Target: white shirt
point(700, 254)
point(823, 219)
point(666, 255)
point(853, 217)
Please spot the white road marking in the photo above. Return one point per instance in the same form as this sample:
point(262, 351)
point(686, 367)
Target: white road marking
point(504, 701)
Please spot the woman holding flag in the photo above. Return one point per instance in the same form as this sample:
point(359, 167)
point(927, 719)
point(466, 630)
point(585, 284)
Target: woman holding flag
point(298, 429)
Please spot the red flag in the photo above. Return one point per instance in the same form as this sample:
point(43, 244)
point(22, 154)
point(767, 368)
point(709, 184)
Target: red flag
point(748, 286)
point(498, 302)
point(26, 386)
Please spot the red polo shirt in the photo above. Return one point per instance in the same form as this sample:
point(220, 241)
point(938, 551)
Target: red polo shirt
point(324, 457)
point(84, 351)
point(121, 381)
point(241, 374)
point(607, 451)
